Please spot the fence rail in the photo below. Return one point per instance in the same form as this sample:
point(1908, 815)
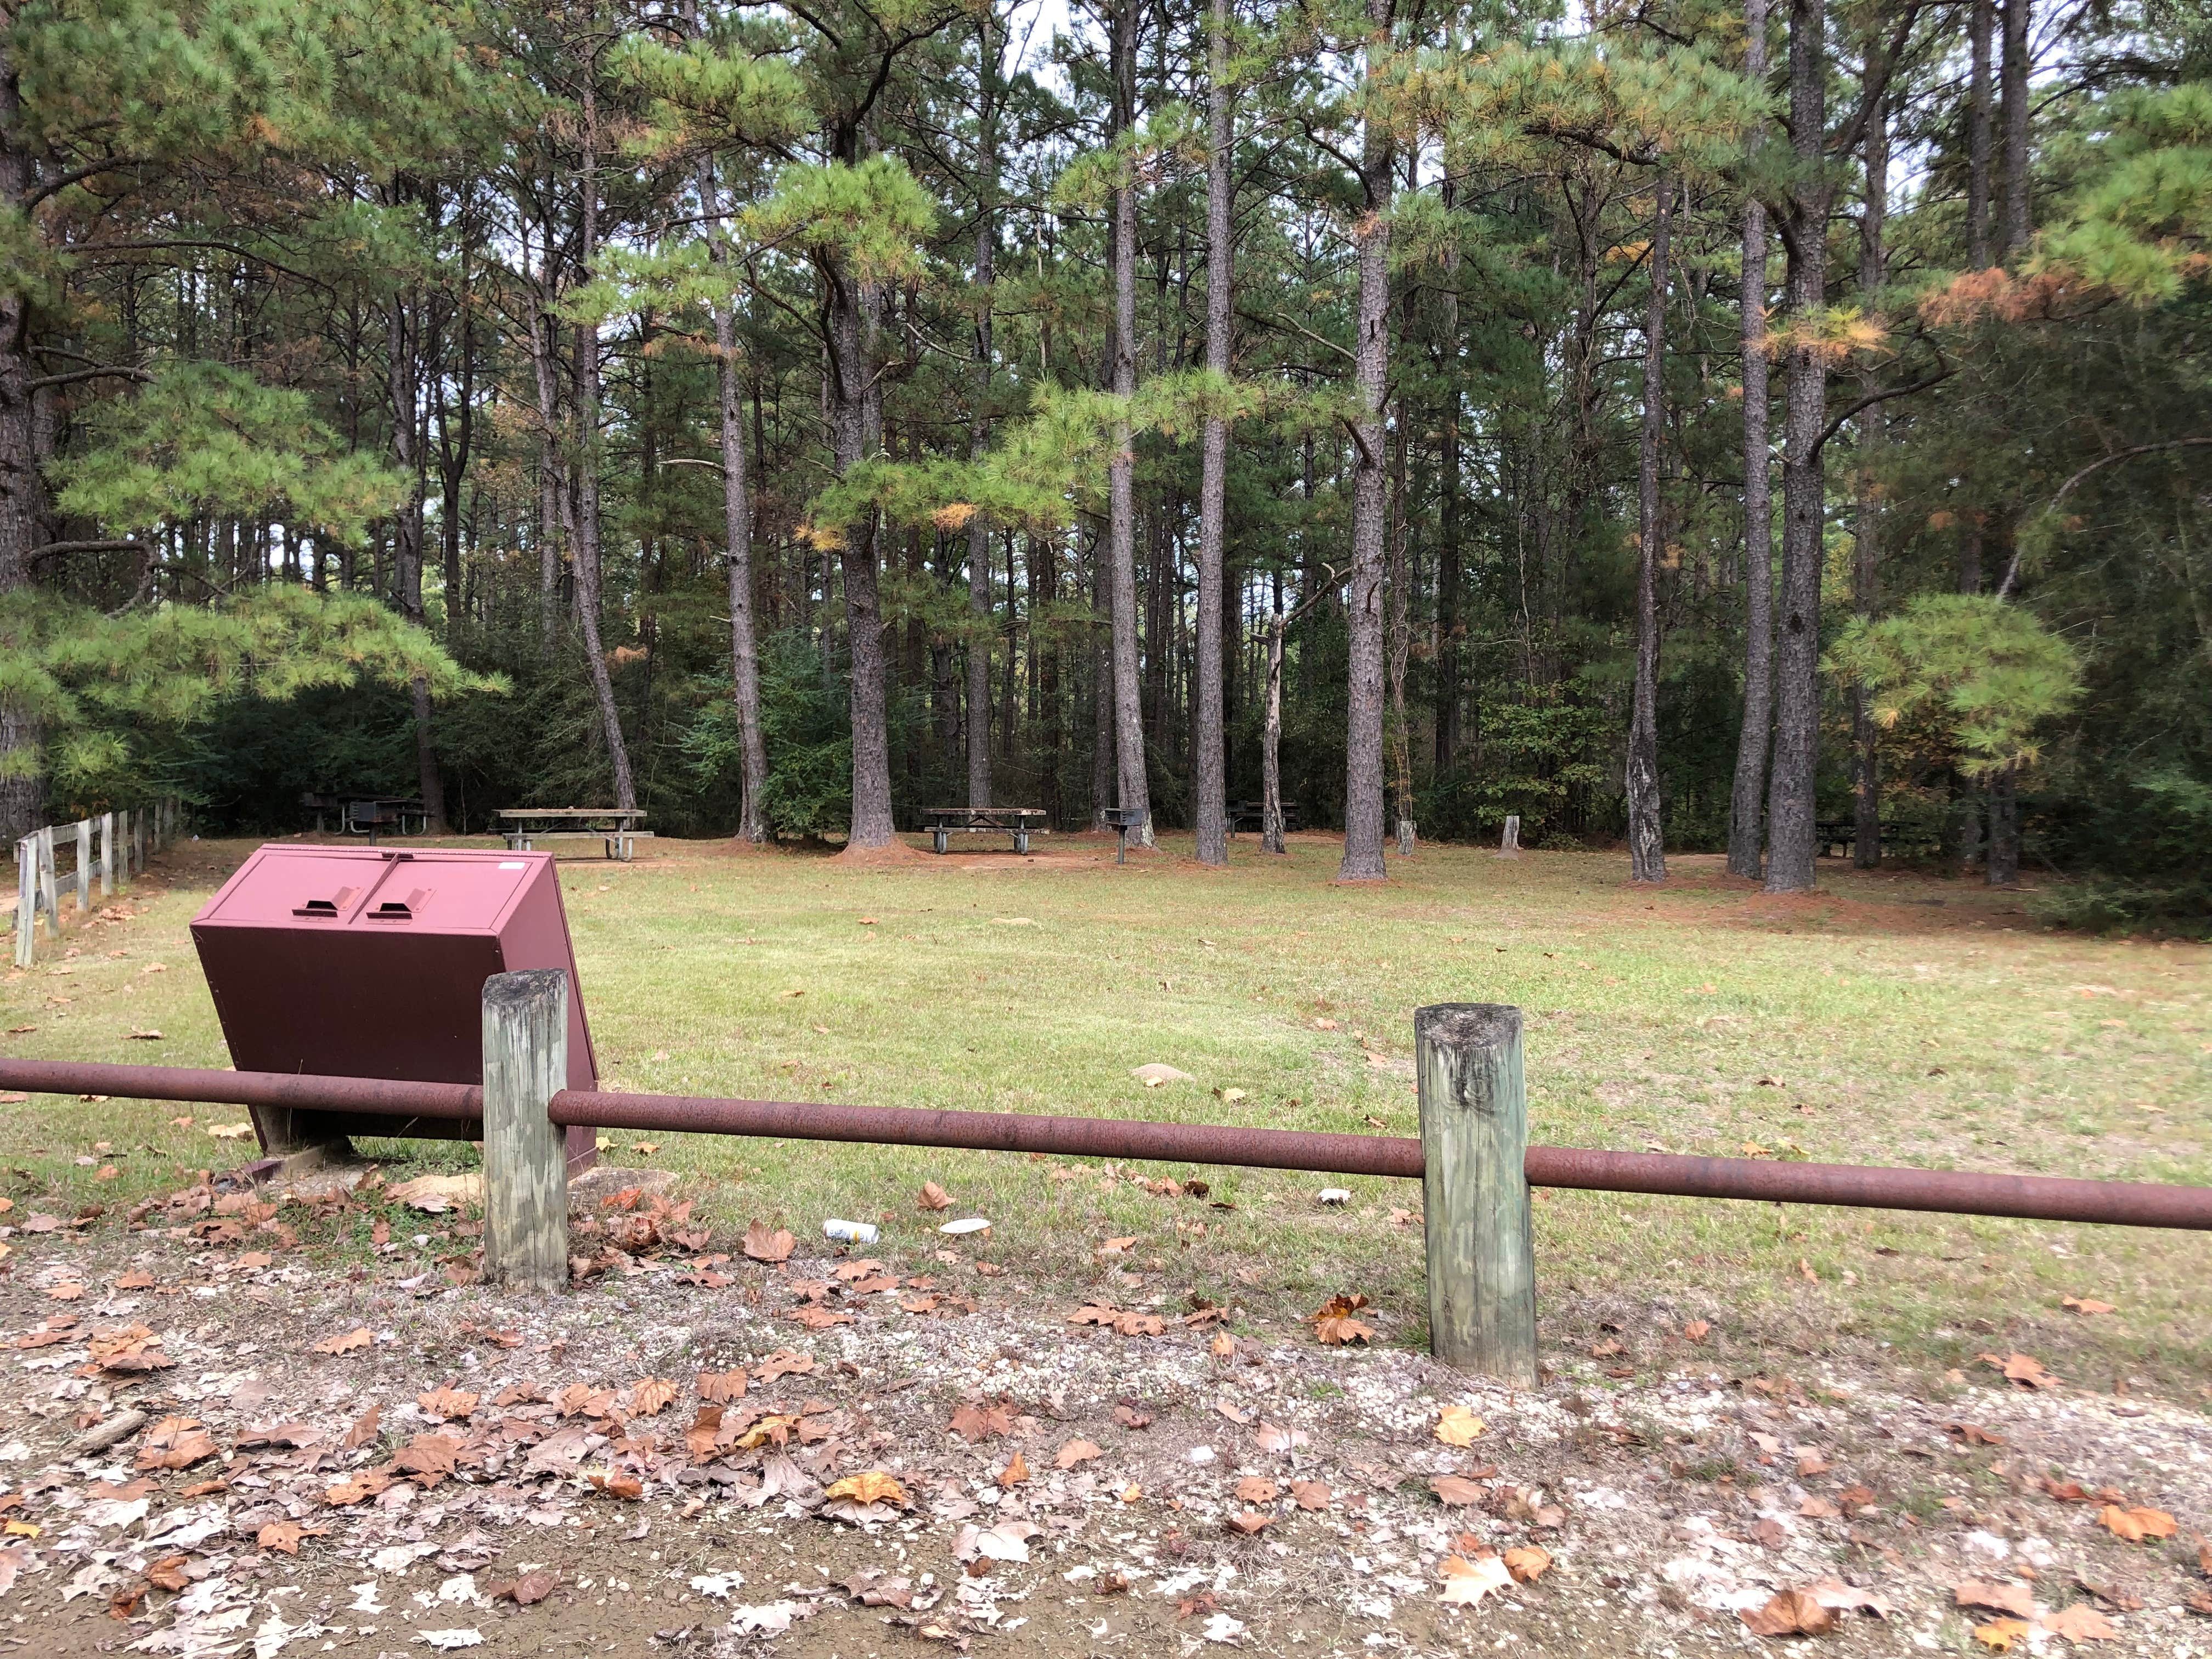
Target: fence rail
point(124, 841)
point(1473, 1159)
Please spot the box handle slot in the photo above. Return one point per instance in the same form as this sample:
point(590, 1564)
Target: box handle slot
point(330, 907)
point(400, 909)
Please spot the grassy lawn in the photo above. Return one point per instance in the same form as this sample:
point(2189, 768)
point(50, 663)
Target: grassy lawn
point(1889, 1018)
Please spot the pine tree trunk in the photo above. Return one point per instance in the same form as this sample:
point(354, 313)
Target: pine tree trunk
point(1271, 743)
point(1102, 692)
point(978, 425)
point(403, 370)
point(22, 490)
point(586, 539)
point(738, 556)
point(1866, 556)
point(1791, 807)
point(1647, 856)
point(855, 428)
point(1398, 643)
point(1135, 789)
point(2001, 867)
point(1748, 798)
point(1981, 27)
point(1448, 513)
point(1363, 756)
point(2011, 97)
point(1210, 809)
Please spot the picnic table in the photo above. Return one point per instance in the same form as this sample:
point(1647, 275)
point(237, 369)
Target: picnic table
point(616, 827)
point(1020, 822)
point(1252, 814)
point(362, 814)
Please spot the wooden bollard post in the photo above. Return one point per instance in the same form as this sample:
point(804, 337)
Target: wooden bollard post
point(106, 854)
point(27, 898)
point(1475, 1138)
point(525, 1161)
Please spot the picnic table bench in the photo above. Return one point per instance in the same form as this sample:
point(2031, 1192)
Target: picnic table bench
point(1252, 814)
point(1020, 822)
point(616, 827)
point(1843, 834)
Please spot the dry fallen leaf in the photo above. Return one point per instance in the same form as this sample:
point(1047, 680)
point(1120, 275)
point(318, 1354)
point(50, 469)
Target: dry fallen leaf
point(528, 1590)
point(1458, 1426)
point(2080, 1623)
point(446, 1404)
point(1999, 1634)
point(934, 1197)
point(2018, 1600)
point(1456, 1490)
point(2023, 1369)
point(721, 1387)
point(1257, 1489)
point(2135, 1525)
point(763, 1244)
point(1527, 1565)
point(285, 1535)
point(1310, 1494)
point(1790, 1613)
point(1014, 1475)
point(2086, 1304)
point(872, 1487)
point(1697, 1330)
point(175, 1443)
point(651, 1396)
point(360, 1338)
point(619, 1485)
point(1074, 1452)
point(1467, 1582)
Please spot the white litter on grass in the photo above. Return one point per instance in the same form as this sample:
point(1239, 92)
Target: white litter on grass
point(973, 1224)
point(461, 1589)
point(1222, 1628)
point(771, 1620)
point(1335, 1195)
point(1154, 1074)
point(717, 1585)
point(364, 1598)
point(398, 1557)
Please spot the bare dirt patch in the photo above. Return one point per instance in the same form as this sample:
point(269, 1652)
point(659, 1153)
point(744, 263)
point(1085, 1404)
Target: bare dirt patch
point(386, 1459)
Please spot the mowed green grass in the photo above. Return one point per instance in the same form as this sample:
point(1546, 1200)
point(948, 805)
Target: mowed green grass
point(1888, 1018)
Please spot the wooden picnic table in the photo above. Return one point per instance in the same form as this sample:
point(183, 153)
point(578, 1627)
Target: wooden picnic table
point(1020, 822)
point(616, 827)
point(1252, 814)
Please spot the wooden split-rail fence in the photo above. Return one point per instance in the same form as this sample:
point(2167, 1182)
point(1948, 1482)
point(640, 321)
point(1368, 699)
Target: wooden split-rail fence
point(106, 850)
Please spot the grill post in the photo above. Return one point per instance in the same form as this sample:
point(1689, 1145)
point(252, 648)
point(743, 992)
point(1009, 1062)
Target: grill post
point(526, 1160)
point(1475, 1190)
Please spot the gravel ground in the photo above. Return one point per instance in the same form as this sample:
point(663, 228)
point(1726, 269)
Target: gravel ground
point(1068, 1489)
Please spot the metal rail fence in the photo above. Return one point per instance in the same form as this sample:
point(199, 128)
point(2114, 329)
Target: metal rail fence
point(1472, 1157)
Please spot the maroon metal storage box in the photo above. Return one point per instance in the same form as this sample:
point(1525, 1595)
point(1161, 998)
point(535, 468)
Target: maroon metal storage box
point(370, 962)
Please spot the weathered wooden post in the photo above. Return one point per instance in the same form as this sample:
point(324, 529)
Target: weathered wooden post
point(50, 891)
point(1475, 1138)
point(83, 865)
point(1509, 844)
point(526, 1062)
point(107, 855)
point(138, 839)
point(26, 899)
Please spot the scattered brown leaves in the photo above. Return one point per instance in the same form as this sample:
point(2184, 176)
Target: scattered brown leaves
point(359, 1337)
point(1334, 1324)
point(446, 1404)
point(1528, 1564)
point(2080, 1623)
point(873, 1487)
point(527, 1591)
point(933, 1197)
point(1076, 1451)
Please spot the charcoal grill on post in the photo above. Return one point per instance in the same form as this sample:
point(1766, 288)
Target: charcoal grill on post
point(371, 962)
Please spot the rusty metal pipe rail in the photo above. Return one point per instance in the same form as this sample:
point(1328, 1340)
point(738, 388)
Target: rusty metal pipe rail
point(2038, 1198)
point(280, 1091)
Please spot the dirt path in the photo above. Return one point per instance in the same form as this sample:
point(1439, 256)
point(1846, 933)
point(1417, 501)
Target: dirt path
point(1167, 1493)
